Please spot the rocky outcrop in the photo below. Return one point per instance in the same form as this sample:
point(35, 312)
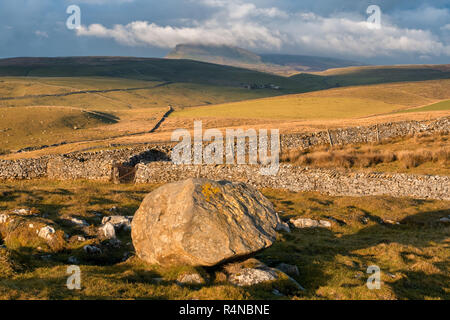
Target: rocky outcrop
point(201, 222)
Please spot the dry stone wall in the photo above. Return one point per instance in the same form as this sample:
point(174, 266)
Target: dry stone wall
point(150, 164)
point(367, 134)
point(23, 169)
point(332, 182)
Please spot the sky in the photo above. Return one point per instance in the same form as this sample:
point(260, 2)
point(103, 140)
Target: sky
point(409, 31)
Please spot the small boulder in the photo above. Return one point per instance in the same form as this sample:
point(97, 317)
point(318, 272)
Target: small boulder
point(282, 226)
point(250, 277)
point(444, 220)
point(108, 231)
point(310, 223)
point(190, 279)
point(46, 233)
point(201, 222)
point(119, 222)
point(3, 218)
point(79, 222)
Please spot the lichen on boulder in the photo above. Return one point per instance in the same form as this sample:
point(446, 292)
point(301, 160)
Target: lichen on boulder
point(200, 222)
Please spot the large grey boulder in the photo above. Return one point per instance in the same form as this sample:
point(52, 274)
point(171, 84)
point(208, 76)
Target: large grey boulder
point(200, 222)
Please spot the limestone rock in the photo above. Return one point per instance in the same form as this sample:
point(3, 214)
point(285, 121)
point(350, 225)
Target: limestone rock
point(282, 226)
point(108, 230)
point(250, 277)
point(310, 223)
point(201, 222)
point(79, 222)
point(3, 218)
point(445, 220)
point(119, 222)
point(190, 278)
point(46, 233)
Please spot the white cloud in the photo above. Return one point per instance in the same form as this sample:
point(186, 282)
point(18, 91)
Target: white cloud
point(249, 26)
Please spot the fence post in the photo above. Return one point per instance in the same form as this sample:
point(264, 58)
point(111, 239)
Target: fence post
point(329, 137)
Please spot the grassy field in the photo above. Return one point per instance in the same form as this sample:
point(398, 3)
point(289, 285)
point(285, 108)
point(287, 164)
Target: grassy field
point(413, 255)
point(179, 71)
point(22, 127)
point(33, 120)
point(440, 106)
point(27, 90)
point(352, 76)
point(419, 154)
point(341, 103)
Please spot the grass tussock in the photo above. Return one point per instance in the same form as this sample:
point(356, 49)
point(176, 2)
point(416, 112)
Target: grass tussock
point(407, 153)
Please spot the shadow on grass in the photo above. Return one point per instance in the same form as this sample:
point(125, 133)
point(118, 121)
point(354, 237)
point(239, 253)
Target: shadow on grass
point(312, 249)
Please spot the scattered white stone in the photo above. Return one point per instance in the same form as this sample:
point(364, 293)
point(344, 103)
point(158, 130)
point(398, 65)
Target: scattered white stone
point(393, 276)
point(31, 226)
point(108, 230)
point(250, 277)
point(79, 222)
point(282, 226)
point(391, 222)
point(22, 211)
point(81, 238)
point(190, 278)
point(444, 220)
point(46, 233)
point(92, 249)
point(310, 223)
point(3, 218)
point(119, 222)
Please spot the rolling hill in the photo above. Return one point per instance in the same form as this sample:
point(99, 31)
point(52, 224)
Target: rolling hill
point(147, 69)
point(273, 63)
point(36, 126)
point(338, 103)
point(352, 76)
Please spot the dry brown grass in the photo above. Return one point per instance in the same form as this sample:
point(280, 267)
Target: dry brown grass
point(412, 254)
point(407, 153)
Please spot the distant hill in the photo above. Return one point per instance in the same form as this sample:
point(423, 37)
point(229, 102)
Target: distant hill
point(214, 54)
point(273, 63)
point(203, 73)
point(153, 69)
point(307, 63)
point(366, 75)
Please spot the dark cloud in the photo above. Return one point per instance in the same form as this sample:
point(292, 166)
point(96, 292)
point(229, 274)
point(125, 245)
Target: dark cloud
point(415, 32)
